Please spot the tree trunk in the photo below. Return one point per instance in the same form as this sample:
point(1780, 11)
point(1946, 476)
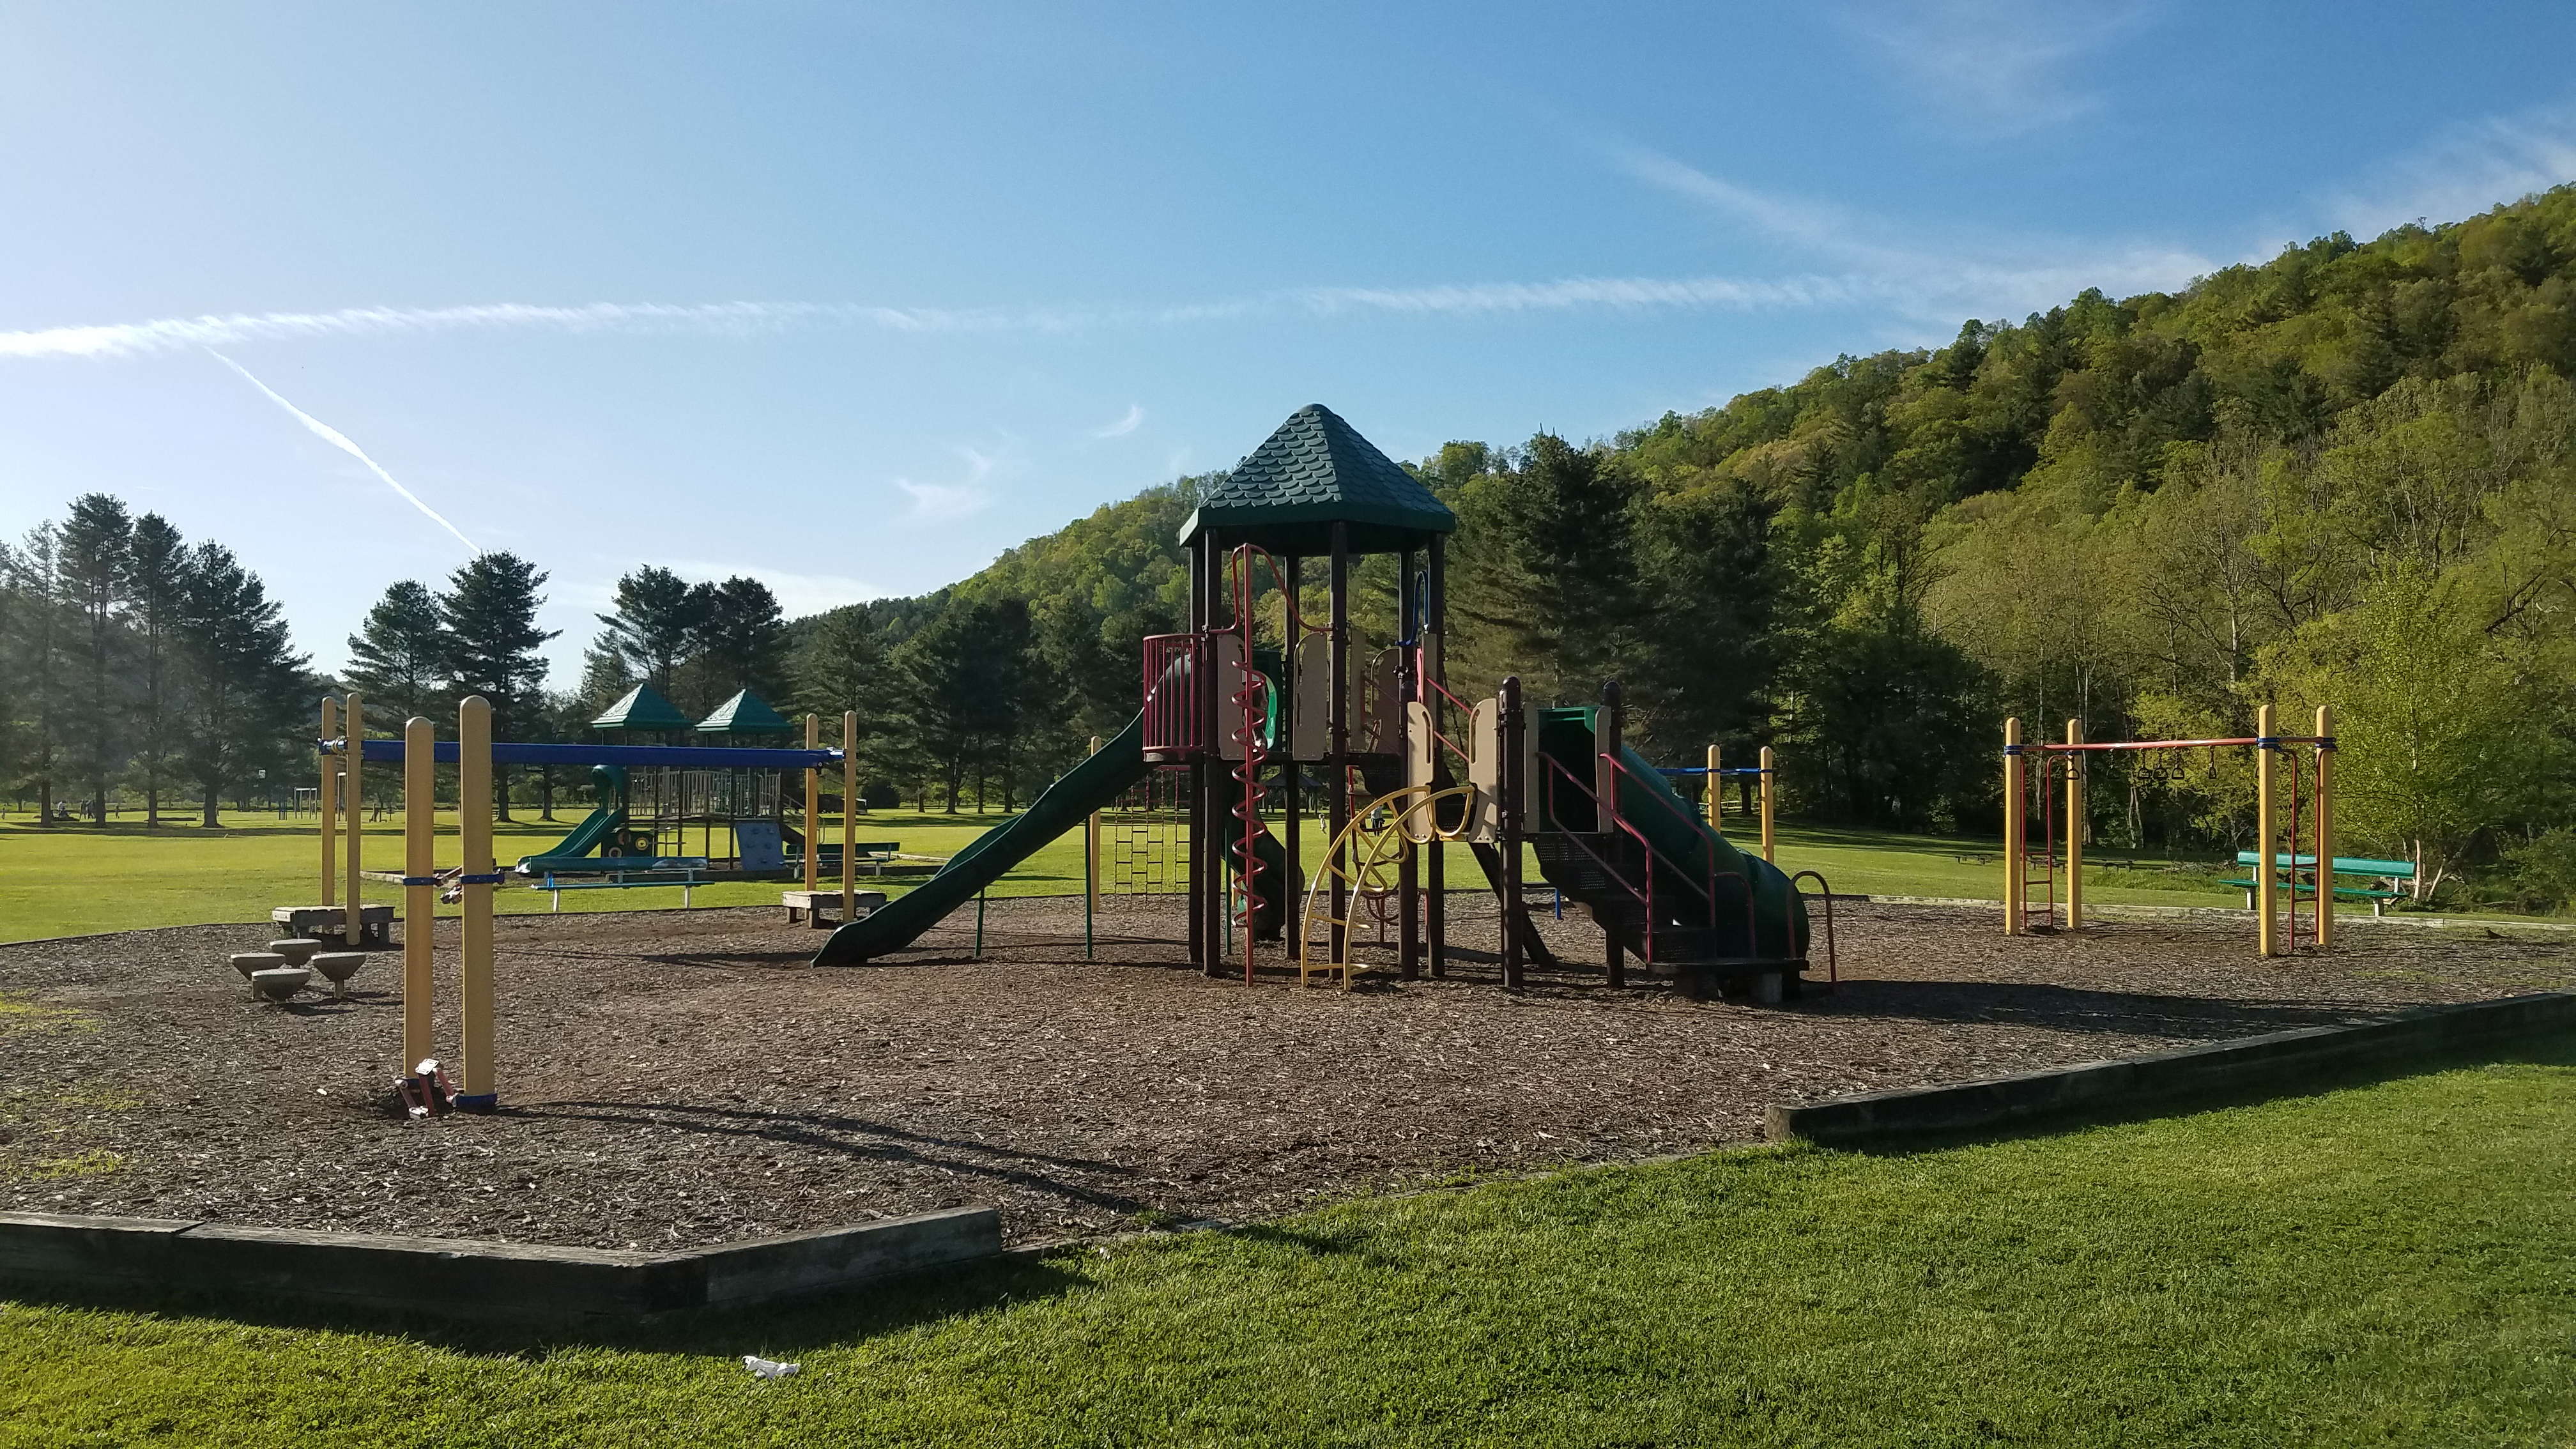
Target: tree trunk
point(501, 793)
point(546, 793)
point(214, 808)
point(45, 803)
point(152, 805)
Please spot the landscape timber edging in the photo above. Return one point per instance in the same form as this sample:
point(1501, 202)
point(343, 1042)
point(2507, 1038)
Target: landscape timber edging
point(2220, 1066)
point(467, 1278)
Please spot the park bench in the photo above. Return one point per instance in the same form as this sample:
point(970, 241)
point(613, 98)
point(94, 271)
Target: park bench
point(872, 855)
point(626, 873)
point(2388, 878)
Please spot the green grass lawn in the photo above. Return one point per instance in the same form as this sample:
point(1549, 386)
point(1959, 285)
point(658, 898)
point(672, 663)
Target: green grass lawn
point(2392, 1263)
point(72, 879)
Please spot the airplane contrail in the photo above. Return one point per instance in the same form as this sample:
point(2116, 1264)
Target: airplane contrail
point(340, 440)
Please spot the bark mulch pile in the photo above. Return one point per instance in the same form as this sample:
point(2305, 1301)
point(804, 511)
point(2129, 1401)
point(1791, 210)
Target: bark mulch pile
point(683, 1078)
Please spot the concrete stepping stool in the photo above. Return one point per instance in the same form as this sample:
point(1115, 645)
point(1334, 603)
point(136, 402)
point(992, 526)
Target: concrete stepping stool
point(279, 983)
point(296, 949)
point(250, 962)
point(338, 966)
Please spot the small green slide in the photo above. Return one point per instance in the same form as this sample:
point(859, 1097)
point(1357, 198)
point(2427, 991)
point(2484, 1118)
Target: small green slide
point(596, 828)
point(1674, 828)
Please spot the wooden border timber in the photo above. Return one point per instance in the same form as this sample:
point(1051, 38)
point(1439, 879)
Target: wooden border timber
point(2276, 1058)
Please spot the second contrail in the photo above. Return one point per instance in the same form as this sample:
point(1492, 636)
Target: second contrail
point(340, 440)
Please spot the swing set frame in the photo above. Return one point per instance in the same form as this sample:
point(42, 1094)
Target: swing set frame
point(2298, 859)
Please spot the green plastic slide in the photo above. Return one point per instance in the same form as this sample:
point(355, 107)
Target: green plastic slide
point(1677, 833)
point(596, 828)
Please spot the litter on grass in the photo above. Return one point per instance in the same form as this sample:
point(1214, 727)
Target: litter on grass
point(767, 1368)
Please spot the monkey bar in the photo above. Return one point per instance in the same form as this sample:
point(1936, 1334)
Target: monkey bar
point(2029, 792)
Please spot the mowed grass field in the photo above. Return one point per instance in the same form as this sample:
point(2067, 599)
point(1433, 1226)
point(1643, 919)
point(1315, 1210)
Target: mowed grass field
point(2389, 1263)
point(75, 879)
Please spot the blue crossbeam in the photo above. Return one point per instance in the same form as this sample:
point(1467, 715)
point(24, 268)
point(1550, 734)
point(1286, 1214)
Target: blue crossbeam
point(694, 757)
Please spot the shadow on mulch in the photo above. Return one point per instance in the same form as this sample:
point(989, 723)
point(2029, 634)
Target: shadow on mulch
point(2545, 1049)
point(854, 1137)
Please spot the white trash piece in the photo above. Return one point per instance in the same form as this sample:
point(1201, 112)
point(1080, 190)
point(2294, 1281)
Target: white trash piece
point(767, 1368)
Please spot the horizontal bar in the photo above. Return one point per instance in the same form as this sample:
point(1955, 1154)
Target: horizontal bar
point(2038, 747)
point(1704, 770)
point(704, 757)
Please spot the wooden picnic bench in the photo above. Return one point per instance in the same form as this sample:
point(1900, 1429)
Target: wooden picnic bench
point(626, 873)
point(2389, 878)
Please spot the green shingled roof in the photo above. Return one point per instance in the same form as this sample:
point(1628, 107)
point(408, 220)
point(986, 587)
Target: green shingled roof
point(1314, 472)
point(745, 714)
point(641, 709)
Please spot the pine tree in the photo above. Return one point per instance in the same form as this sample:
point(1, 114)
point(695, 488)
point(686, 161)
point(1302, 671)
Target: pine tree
point(156, 587)
point(490, 613)
point(740, 640)
point(399, 657)
point(244, 683)
point(36, 647)
point(654, 630)
point(95, 541)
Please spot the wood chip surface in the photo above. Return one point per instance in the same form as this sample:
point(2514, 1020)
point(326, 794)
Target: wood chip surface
point(684, 1078)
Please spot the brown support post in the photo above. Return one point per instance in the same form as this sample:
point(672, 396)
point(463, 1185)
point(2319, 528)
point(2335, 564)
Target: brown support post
point(1436, 861)
point(1337, 773)
point(1292, 895)
point(1408, 689)
point(1606, 741)
point(1510, 821)
point(1196, 850)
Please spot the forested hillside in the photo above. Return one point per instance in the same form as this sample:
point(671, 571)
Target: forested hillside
point(2347, 475)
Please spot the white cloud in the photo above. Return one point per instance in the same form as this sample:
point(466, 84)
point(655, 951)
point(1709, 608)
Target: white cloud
point(340, 440)
point(798, 594)
point(2464, 170)
point(1995, 67)
point(1124, 426)
point(127, 339)
point(943, 502)
point(1961, 277)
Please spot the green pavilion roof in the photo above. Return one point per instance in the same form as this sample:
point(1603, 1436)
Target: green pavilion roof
point(745, 714)
point(1314, 472)
point(641, 709)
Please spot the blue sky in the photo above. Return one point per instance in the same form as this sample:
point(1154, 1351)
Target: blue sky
point(851, 297)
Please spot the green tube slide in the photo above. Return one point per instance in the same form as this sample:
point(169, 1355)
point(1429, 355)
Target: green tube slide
point(1673, 827)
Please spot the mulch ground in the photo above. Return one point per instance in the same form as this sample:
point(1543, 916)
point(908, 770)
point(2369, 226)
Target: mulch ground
point(673, 1078)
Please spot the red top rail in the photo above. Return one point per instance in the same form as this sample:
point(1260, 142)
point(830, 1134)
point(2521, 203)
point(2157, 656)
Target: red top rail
point(2042, 747)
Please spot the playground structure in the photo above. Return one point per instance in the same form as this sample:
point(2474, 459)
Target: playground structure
point(1256, 693)
point(2294, 850)
point(1712, 775)
point(424, 1085)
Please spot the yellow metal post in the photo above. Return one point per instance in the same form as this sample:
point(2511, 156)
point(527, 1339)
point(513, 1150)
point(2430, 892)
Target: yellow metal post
point(1716, 794)
point(2267, 874)
point(849, 814)
point(474, 830)
point(2013, 873)
point(813, 810)
point(2074, 828)
point(329, 803)
point(420, 888)
point(2325, 827)
point(353, 723)
point(1769, 775)
point(1091, 852)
